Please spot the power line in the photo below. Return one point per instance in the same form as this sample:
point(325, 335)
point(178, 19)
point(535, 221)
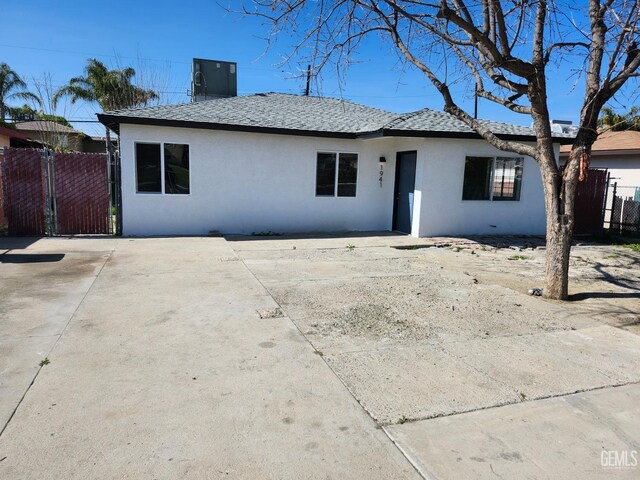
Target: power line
point(174, 92)
point(20, 120)
point(73, 52)
point(116, 56)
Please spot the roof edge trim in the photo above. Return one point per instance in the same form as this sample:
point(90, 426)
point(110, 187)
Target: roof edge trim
point(114, 121)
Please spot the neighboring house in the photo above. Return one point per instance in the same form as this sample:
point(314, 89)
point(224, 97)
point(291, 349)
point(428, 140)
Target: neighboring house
point(10, 137)
point(619, 152)
point(54, 134)
point(94, 144)
point(287, 163)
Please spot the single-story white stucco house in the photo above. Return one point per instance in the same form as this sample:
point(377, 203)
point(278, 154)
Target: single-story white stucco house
point(287, 163)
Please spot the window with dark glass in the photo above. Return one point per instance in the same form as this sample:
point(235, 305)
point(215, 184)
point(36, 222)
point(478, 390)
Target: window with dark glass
point(336, 174)
point(492, 178)
point(326, 175)
point(162, 168)
point(148, 177)
point(507, 179)
point(176, 168)
point(477, 178)
point(347, 174)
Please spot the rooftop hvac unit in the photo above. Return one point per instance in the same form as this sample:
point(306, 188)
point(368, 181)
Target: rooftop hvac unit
point(213, 79)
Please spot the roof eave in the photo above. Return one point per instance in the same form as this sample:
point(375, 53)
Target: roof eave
point(611, 152)
point(462, 135)
point(10, 132)
point(114, 121)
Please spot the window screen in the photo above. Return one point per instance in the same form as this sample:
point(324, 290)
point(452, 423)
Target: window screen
point(326, 175)
point(477, 178)
point(347, 174)
point(176, 168)
point(507, 178)
point(148, 178)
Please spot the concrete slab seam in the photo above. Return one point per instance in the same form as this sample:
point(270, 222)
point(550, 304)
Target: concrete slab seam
point(4, 427)
point(420, 467)
point(508, 403)
point(376, 425)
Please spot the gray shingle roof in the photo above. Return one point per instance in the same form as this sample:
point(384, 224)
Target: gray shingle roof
point(297, 114)
point(434, 121)
point(271, 110)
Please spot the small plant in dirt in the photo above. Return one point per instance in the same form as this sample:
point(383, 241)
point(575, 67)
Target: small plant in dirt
point(402, 420)
point(633, 246)
point(518, 257)
point(351, 248)
point(456, 249)
point(44, 361)
point(522, 395)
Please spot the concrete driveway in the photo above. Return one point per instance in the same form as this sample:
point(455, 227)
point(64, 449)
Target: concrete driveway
point(385, 362)
point(161, 367)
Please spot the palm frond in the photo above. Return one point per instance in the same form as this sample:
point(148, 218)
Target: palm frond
point(26, 96)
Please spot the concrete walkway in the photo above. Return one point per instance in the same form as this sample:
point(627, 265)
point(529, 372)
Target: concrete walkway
point(161, 367)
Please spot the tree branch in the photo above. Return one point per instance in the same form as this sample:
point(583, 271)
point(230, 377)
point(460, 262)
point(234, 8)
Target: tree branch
point(556, 45)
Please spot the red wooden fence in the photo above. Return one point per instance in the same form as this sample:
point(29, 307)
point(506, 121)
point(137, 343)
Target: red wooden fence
point(77, 199)
point(82, 194)
point(589, 203)
point(23, 191)
point(3, 219)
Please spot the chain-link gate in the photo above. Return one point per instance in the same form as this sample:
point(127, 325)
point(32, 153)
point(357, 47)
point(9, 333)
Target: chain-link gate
point(624, 210)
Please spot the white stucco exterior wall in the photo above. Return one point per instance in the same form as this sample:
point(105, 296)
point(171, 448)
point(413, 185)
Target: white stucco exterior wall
point(624, 169)
point(250, 183)
point(246, 183)
point(442, 210)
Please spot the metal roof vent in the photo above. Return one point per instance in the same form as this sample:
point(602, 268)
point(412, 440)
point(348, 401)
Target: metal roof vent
point(213, 79)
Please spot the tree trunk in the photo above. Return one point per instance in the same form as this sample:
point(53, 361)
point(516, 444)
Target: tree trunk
point(557, 258)
point(559, 192)
point(558, 206)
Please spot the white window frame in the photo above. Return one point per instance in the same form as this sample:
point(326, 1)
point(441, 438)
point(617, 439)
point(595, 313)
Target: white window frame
point(162, 172)
point(493, 178)
point(335, 180)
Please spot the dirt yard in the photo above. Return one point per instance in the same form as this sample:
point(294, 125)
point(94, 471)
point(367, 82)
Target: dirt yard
point(418, 328)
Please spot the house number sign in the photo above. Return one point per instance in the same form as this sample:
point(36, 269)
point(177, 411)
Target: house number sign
point(381, 175)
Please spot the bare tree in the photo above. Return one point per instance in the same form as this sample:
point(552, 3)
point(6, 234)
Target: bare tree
point(55, 130)
point(509, 48)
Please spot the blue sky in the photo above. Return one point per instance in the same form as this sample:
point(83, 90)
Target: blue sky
point(159, 38)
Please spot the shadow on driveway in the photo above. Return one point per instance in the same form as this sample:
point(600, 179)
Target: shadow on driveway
point(31, 257)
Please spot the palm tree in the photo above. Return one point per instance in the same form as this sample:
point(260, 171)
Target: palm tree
point(620, 121)
point(633, 118)
point(111, 89)
point(12, 87)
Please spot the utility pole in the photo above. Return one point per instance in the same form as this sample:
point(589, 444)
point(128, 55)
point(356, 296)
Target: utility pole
point(475, 103)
